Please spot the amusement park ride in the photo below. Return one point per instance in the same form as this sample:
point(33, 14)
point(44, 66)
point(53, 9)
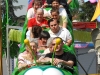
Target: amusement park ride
point(45, 70)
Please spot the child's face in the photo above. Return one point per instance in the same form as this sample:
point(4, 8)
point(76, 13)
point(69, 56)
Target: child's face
point(55, 15)
point(44, 41)
point(37, 5)
point(55, 4)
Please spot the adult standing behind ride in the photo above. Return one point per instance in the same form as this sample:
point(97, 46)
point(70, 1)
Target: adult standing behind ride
point(38, 20)
point(32, 11)
point(57, 31)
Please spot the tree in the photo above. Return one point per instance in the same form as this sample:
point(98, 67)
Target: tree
point(11, 8)
point(12, 21)
point(86, 12)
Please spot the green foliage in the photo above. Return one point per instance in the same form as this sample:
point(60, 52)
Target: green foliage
point(14, 49)
point(74, 5)
point(11, 8)
point(12, 20)
point(86, 12)
point(82, 36)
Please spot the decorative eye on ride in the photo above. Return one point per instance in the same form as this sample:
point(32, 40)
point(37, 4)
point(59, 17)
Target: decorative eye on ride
point(43, 70)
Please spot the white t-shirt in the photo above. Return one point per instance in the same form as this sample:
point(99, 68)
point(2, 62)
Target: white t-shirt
point(31, 13)
point(28, 34)
point(29, 37)
point(63, 33)
point(23, 60)
point(62, 12)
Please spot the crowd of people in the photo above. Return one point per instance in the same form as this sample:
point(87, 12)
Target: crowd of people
point(43, 42)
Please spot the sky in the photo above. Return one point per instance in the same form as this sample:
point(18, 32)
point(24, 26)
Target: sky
point(22, 11)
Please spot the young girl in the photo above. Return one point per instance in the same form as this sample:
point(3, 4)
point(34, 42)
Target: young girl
point(32, 11)
point(30, 3)
point(62, 19)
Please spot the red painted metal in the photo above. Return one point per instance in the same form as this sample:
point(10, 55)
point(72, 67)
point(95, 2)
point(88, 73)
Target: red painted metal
point(84, 25)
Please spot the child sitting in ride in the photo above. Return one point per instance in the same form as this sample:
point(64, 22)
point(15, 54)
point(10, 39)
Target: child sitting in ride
point(62, 3)
point(25, 59)
point(56, 4)
point(42, 43)
point(38, 36)
point(32, 11)
point(62, 19)
point(65, 2)
point(32, 1)
point(58, 13)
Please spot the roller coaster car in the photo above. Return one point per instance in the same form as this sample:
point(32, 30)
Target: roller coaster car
point(60, 69)
point(45, 69)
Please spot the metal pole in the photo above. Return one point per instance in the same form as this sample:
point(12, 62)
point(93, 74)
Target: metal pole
point(80, 63)
point(8, 52)
point(82, 67)
point(1, 71)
